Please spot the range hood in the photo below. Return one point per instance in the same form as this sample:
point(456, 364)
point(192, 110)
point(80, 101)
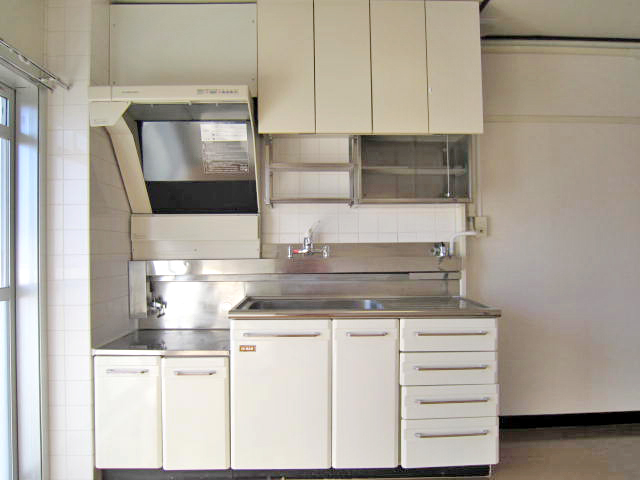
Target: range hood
point(182, 149)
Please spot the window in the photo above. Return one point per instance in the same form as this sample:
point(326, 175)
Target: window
point(7, 292)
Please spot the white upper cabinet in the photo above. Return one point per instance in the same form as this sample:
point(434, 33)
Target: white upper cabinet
point(399, 67)
point(343, 67)
point(453, 66)
point(286, 102)
point(369, 66)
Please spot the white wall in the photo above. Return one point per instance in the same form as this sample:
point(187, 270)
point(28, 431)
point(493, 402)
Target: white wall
point(559, 181)
point(22, 26)
point(70, 390)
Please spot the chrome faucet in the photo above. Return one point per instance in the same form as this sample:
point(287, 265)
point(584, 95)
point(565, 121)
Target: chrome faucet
point(307, 247)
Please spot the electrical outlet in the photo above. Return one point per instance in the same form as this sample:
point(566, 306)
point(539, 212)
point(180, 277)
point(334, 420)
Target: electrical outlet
point(481, 226)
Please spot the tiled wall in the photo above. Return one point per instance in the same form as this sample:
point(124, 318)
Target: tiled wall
point(342, 224)
point(67, 25)
point(110, 242)
point(339, 223)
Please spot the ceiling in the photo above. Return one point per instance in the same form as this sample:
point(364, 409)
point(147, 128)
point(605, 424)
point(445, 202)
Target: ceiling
point(566, 18)
point(563, 18)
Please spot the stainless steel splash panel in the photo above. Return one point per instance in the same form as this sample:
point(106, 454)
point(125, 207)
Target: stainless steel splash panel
point(205, 304)
point(179, 151)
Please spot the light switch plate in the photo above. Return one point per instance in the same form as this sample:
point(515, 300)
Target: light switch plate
point(481, 226)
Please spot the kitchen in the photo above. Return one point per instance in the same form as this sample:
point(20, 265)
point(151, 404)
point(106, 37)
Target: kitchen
point(549, 217)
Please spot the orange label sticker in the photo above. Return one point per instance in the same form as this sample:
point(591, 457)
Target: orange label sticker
point(247, 348)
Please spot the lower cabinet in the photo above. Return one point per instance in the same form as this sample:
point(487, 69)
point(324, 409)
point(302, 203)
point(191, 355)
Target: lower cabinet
point(365, 394)
point(195, 413)
point(127, 412)
point(280, 390)
point(153, 412)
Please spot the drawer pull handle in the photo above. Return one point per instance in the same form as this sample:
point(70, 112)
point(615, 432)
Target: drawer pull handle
point(443, 402)
point(451, 435)
point(452, 334)
point(127, 371)
point(356, 334)
point(281, 335)
point(185, 373)
point(462, 367)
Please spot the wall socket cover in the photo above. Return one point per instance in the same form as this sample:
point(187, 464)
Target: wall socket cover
point(481, 226)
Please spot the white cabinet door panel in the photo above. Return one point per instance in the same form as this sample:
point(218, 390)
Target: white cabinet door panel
point(453, 67)
point(127, 412)
point(449, 442)
point(399, 67)
point(343, 66)
point(365, 394)
point(280, 391)
point(195, 413)
point(286, 67)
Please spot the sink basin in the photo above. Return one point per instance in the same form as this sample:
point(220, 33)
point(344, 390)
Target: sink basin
point(381, 307)
point(315, 304)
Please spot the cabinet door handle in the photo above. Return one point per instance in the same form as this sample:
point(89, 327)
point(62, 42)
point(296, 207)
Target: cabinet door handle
point(443, 402)
point(181, 373)
point(127, 371)
point(461, 367)
point(452, 334)
point(280, 335)
point(450, 435)
point(363, 334)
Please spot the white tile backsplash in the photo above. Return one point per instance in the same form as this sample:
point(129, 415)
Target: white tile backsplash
point(343, 224)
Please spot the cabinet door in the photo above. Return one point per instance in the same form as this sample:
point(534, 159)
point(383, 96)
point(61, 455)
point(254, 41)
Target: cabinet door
point(453, 67)
point(127, 412)
point(343, 67)
point(285, 66)
point(195, 413)
point(365, 394)
point(399, 67)
point(280, 385)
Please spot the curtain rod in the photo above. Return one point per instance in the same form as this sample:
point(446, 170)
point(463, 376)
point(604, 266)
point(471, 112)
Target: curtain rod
point(23, 58)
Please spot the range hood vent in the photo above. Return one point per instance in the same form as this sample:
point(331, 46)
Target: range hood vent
point(184, 150)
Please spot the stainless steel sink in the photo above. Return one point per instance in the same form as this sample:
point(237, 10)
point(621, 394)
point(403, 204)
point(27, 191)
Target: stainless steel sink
point(345, 307)
point(314, 304)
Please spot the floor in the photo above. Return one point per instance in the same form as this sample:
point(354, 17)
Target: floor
point(610, 452)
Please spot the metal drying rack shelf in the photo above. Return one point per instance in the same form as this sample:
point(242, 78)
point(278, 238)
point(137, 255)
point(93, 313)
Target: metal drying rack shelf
point(271, 167)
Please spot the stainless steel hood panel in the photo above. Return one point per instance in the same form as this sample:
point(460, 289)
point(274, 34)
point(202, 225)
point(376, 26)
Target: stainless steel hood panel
point(175, 151)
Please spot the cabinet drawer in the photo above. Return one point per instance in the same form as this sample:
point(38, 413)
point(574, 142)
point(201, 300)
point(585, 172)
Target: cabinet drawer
point(450, 401)
point(457, 368)
point(449, 442)
point(448, 334)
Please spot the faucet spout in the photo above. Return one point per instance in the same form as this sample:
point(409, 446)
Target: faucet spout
point(307, 247)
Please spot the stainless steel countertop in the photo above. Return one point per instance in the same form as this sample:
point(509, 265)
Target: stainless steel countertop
point(349, 307)
point(169, 343)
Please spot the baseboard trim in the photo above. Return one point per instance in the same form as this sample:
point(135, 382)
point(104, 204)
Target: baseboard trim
point(311, 474)
point(569, 419)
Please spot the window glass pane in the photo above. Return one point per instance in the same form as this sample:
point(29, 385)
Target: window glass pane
point(5, 211)
point(6, 454)
point(4, 111)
